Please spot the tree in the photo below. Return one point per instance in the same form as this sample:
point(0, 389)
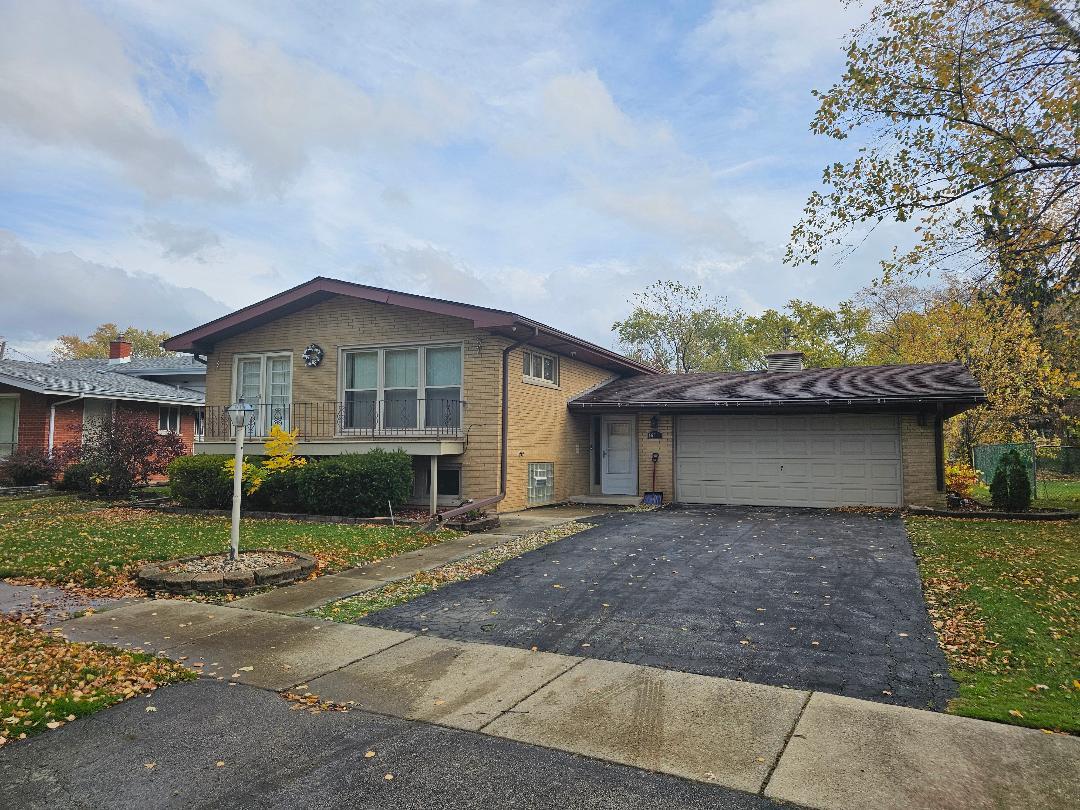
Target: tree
point(678, 328)
point(828, 337)
point(993, 337)
point(144, 343)
point(122, 450)
point(1010, 488)
point(970, 111)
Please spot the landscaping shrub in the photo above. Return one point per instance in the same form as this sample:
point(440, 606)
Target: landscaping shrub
point(76, 478)
point(25, 468)
point(200, 481)
point(277, 492)
point(1010, 488)
point(358, 485)
point(961, 478)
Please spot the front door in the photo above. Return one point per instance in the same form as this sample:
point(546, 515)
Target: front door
point(618, 457)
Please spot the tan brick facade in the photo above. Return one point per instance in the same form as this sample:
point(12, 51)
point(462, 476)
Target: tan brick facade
point(542, 429)
point(665, 447)
point(917, 454)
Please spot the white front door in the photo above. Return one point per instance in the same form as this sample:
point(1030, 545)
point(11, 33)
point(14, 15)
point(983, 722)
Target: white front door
point(618, 456)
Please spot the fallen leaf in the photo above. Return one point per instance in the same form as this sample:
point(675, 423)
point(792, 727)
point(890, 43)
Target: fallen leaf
point(220, 763)
point(369, 754)
point(389, 777)
point(1016, 713)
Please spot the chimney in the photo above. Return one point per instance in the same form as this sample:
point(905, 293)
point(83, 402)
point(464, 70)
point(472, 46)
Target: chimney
point(119, 350)
point(784, 361)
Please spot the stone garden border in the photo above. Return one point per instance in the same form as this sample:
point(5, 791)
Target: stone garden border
point(155, 578)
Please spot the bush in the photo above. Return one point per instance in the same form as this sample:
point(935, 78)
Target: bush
point(1010, 488)
point(961, 478)
point(77, 478)
point(200, 481)
point(358, 485)
point(25, 468)
point(277, 492)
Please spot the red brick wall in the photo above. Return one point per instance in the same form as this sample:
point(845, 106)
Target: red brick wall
point(34, 419)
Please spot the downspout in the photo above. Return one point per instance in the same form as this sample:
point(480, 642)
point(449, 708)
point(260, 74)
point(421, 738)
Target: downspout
point(503, 449)
point(52, 419)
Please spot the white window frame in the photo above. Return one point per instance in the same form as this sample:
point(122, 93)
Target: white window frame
point(262, 429)
point(168, 419)
point(380, 370)
point(530, 376)
point(15, 424)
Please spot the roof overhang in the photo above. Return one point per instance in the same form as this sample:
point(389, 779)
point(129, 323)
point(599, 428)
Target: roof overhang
point(202, 339)
point(950, 406)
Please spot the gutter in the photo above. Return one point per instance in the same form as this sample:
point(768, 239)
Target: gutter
point(773, 403)
point(52, 419)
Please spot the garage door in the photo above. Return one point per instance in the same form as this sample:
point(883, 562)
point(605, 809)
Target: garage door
point(816, 460)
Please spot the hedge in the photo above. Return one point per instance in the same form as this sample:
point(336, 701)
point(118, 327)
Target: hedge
point(353, 485)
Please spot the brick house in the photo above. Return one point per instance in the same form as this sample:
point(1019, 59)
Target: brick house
point(46, 405)
point(490, 403)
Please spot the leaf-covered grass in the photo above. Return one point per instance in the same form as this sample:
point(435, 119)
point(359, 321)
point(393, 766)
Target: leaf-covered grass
point(404, 590)
point(1005, 600)
point(1049, 494)
point(68, 541)
point(46, 681)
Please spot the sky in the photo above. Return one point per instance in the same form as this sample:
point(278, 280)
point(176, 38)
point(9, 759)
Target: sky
point(162, 163)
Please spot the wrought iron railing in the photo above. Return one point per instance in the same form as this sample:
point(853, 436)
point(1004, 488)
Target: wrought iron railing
point(358, 418)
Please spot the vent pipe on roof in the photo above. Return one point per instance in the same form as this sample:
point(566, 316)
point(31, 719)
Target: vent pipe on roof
point(784, 361)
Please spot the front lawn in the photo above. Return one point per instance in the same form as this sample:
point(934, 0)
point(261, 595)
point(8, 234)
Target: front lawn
point(67, 541)
point(1049, 494)
point(46, 681)
point(1005, 600)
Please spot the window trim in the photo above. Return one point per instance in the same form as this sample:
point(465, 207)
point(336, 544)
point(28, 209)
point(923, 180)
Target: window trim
point(530, 378)
point(167, 430)
point(380, 350)
point(529, 488)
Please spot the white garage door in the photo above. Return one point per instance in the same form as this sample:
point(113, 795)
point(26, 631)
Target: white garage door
point(815, 460)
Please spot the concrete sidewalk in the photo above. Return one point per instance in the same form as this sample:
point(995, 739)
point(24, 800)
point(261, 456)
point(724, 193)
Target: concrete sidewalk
point(813, 749)
point(305, 596)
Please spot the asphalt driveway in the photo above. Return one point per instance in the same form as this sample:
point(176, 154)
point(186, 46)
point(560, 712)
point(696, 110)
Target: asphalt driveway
point(806, 598)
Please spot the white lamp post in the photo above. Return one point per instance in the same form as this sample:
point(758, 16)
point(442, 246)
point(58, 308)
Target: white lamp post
point(238, 413)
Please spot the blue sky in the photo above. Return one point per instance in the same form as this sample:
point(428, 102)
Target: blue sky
point(162, 163)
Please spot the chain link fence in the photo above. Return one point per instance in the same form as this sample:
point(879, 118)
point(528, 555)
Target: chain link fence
point(986, 457)
point(1049, 467)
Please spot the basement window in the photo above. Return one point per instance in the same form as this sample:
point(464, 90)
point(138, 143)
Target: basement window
point(541, 482)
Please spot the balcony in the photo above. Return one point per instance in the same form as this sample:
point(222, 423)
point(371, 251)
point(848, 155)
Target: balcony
point(334, 423)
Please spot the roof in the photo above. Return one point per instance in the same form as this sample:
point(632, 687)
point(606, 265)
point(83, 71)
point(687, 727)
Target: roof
point(81, 379)
point(516, 327)
point(875, 386)
point(168, 365)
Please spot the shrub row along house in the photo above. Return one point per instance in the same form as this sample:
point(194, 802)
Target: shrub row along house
point(489, 403)
point(44, 406)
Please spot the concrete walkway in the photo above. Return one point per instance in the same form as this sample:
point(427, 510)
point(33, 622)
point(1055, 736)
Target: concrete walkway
point(810, 748)
point(308, 595)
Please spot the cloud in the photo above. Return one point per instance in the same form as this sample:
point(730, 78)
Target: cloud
point(49, 294)
point(65, 81)
point(773, 41)
point(180, 241)
point(580, 111)
point(428, 270)
point(278, 109)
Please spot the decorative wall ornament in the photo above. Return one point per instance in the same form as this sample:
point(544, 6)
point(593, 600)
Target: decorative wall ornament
point(313, 355)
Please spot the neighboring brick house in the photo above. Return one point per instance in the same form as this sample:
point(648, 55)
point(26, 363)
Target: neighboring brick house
point(352, 367)
point(44, 406)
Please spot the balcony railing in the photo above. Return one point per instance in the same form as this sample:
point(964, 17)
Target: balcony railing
point(357, 419)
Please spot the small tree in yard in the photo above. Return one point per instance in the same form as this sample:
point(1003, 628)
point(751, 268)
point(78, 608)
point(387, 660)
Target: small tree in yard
point(123, 450)
point(1010, 488)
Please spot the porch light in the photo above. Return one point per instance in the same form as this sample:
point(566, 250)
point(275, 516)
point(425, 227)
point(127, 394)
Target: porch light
point(239, 412)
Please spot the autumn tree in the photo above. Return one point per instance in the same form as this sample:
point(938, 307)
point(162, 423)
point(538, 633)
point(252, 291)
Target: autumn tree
point(144, 343)
point(679, 328)
point(968, 111)
point(828, 337)
point(993, 337)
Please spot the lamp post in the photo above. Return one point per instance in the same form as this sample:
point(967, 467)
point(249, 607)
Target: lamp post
point(238, 412)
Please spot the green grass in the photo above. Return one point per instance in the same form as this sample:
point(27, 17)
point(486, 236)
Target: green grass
point(46, 681)
point(65, 540)
point(1064, 494)
point(1005, 601)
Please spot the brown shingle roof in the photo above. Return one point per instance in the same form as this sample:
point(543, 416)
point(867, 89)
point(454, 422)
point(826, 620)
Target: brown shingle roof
point(851, 385)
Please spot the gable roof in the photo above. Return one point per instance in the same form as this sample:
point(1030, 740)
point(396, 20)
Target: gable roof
point(80, 380)
point(876, 386)
point(516, 327)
